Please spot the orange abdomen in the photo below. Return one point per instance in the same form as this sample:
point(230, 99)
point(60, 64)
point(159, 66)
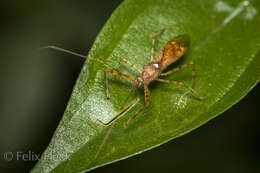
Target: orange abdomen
point(172, 51)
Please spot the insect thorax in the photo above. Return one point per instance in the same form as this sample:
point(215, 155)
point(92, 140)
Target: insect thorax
point(150, 72)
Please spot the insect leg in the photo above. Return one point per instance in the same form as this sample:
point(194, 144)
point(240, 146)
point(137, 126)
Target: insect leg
point(103, 143)
point(147, 103)
point(118, 73)
point(134, 116)
point(181, 84)
point(112, 125)
point(129, 107)
point(147, 95)
point(153, 42)
point(191, 63)
point(129, 63)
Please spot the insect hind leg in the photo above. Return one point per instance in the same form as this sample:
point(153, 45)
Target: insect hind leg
point(181, 84)
point(191, 63)
point(153, 42)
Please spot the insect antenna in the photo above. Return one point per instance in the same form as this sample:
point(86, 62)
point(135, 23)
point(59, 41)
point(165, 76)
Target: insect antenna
point(76, 54)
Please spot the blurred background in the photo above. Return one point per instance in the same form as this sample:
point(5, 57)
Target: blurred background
point(36, 85)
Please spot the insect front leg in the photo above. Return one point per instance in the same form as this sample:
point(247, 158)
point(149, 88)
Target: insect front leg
point(147, 95)
point(129, 107)
point(191, 63)
point(181, 84)
point(134, 116)
point(118, 73)
point(147, 103)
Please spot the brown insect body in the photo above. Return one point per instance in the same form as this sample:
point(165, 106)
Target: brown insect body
point(171, 52)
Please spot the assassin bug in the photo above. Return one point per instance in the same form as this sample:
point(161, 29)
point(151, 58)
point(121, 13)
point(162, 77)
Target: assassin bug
point(172, 51)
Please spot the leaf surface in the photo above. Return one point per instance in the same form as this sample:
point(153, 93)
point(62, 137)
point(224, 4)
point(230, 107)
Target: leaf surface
point(225, 42)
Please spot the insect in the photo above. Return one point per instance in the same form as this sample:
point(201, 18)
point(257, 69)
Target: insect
point(172, 51)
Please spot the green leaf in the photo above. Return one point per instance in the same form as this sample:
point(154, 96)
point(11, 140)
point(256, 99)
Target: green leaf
point(225, 43)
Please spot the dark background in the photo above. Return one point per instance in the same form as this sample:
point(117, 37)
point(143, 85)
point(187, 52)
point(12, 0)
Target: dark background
point(36, 85)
